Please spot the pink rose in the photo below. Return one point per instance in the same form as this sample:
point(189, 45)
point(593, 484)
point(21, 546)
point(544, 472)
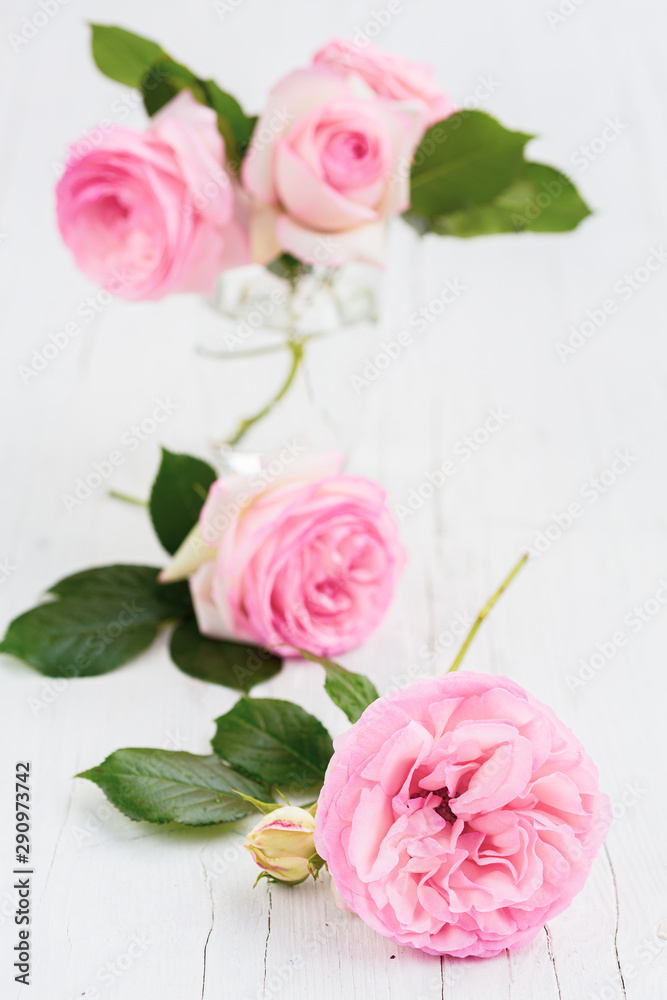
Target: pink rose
point(148, 213)
point(459, 815)
point(327, 166)
point(388, 75)
point(309, 560)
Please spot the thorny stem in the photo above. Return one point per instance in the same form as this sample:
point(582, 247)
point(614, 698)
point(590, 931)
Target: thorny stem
point(296, 347)
point(484, 612)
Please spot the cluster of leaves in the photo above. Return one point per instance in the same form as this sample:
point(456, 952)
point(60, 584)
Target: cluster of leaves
point(103, 617)
point(469, 177)
point(143, 64)
point(259, 746)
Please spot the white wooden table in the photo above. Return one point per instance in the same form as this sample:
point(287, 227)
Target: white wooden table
point(126, 910)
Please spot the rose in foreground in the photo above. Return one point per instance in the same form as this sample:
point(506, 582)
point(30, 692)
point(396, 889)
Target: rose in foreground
point(388, 75)
point(327, 166)
point(282, 843)
point(459, 815)
point(309, 560)
point(148, 213)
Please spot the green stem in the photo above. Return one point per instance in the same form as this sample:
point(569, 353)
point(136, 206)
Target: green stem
point(296, 347)
point(126, 498)
point(485, 610)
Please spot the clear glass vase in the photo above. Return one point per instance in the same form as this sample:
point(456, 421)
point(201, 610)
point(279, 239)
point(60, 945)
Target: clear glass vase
point(270, 347)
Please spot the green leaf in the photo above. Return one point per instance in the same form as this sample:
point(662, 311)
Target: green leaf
point(123, 56)
point(101, 619)
point(315, 863)
point(141, 63)
point(113, 584)
point(177, 497)
point(233, 664)
point(164, 80)
point(288, 268)
point(276, 741)
point(541, 199)
point(170, 786)
point(234, 125)
point(465, 160)
point(353, 693)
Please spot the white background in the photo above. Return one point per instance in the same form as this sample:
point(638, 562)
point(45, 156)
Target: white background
point(102, 881)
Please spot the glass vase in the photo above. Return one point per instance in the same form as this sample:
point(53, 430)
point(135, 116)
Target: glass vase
point(286, 349)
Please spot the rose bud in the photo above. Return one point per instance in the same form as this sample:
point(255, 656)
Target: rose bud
point(282, 844)
point(387, 75)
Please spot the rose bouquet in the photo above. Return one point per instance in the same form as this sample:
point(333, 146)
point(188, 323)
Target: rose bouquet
point(455, 816)
point(341, 147)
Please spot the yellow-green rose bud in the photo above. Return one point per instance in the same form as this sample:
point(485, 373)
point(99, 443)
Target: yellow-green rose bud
point(282, 842)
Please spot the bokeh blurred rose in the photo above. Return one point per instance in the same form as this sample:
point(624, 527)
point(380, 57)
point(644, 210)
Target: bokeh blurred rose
point(153, 212)
point(327, 165)
point(459, 815)
point(388, 75)
point(308, 561)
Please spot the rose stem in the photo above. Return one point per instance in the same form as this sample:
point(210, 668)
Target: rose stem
point(296, 347)
point(484, 612)
point(127, 499)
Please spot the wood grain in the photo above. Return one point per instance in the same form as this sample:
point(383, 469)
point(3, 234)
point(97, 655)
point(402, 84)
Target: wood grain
point(123, 910)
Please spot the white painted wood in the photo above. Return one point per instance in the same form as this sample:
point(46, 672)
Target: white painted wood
point(102, 881)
